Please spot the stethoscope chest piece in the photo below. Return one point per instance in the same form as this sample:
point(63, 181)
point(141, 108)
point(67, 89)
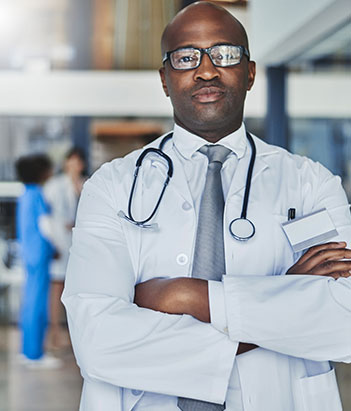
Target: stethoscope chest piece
point(242, 229)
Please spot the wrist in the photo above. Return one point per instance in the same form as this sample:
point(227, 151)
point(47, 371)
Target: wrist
point(193, 298)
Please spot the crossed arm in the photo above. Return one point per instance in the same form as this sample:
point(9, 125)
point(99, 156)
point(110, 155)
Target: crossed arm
point(190, 295)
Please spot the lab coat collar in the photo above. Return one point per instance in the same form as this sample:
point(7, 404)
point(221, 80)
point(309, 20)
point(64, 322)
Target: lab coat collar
point(188, 143)
point(263, 148)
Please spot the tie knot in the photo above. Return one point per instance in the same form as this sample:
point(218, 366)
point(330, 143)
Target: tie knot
point(215, 153)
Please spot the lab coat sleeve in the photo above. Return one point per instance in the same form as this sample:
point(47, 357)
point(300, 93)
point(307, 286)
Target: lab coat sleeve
point(304, 316)
point(114, 340)
point(216, 300)
point(298, 315)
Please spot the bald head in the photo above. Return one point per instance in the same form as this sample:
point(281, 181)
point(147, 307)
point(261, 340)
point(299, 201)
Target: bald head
point(208, 99)
point(193, 17)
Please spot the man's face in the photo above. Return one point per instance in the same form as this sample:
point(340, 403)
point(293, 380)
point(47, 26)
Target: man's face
point(208, 98)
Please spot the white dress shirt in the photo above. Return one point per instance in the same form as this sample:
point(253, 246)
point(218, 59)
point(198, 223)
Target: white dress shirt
point(195, 168)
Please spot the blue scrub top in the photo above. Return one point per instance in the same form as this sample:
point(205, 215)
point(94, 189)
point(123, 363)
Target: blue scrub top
point(35, 248)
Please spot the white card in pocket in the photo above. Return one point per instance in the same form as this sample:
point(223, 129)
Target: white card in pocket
point(309, 230)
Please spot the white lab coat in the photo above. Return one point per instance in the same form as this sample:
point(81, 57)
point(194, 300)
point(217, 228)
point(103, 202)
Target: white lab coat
point(61, 195)
point(301, 322)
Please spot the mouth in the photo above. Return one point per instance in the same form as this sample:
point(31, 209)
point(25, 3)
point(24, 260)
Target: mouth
point(208, 94)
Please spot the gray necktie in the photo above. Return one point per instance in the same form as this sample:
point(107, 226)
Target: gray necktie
point(209, 262)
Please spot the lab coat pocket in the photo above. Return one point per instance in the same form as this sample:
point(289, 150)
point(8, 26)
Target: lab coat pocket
point(320, 392)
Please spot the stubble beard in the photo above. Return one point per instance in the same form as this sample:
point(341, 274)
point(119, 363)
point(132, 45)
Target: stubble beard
point(208, 117)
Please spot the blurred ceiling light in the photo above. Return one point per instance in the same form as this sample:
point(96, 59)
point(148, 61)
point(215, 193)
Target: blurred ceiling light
point(9, 18)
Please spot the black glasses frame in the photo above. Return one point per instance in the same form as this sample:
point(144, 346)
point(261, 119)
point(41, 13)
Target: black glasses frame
point(243, 51)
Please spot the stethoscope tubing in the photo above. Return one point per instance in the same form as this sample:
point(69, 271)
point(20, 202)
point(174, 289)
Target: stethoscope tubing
point(249, 176)
point(159, 151)
point(165, 184)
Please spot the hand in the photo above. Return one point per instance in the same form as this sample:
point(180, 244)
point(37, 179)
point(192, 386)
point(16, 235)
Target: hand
point(325, 259)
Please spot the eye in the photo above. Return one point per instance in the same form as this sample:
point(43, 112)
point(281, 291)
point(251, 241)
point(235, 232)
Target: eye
point(226, 56)
point(186, 59)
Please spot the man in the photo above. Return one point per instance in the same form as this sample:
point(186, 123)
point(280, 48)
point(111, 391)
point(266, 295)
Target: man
point(238, 334)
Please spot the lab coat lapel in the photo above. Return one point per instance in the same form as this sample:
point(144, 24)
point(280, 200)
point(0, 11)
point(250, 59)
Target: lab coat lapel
point(179, 182)
point(239, 180)
point(261, 164)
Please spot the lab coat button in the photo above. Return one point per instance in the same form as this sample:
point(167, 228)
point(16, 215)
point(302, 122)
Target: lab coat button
point(186, 206)
point(136, 392)
point(182, 259)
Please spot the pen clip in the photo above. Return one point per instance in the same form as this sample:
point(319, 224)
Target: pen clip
point(291, 214)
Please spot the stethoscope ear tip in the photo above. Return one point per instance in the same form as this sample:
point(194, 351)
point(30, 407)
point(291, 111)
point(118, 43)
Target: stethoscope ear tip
point(121, 214)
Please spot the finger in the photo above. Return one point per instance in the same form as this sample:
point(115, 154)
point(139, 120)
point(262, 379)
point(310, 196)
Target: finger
point(339, 274)
point(315, 249)
point(326, 255)
point(331, 266)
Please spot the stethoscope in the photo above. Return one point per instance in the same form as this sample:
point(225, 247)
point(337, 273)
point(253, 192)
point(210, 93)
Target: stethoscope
point(159, 151)
point(240, 228)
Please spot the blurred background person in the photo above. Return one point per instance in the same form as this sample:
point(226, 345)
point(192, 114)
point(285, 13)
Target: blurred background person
point(62, 193)
point(36, 253)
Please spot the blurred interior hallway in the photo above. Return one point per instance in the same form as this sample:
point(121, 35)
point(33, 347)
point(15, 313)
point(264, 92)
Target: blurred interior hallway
point(23, 389)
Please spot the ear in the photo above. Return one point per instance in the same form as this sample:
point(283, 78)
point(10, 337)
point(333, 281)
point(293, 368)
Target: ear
point(251, 74)
point(163, 80)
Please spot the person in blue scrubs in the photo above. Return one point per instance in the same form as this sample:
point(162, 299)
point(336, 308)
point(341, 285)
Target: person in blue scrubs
point(36, 252)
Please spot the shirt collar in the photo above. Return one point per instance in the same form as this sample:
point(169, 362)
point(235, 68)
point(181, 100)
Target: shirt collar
point(188, 143)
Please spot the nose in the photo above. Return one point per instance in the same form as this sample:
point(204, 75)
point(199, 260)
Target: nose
point(206, 70)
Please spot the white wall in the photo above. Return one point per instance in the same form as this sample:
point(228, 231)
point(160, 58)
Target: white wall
point(319, 95)
point(94, 93)
point(139, 93)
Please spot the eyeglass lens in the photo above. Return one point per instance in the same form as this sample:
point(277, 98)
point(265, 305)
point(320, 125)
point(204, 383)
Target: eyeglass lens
point(221, 55)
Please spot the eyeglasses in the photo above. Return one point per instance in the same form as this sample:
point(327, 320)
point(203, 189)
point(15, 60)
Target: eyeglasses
point(221, 55)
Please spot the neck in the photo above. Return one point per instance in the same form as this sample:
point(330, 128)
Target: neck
point(73, 175)
point(212, 136)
